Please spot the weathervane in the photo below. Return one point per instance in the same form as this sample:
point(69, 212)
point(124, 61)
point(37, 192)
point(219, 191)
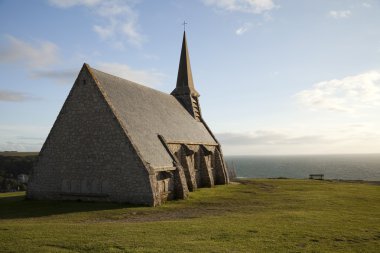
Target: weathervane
point(184, 25)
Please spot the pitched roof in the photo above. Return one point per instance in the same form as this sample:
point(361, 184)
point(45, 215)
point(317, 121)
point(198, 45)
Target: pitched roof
point(144, 113)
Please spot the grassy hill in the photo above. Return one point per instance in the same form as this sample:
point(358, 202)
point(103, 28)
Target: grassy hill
point(252, 216)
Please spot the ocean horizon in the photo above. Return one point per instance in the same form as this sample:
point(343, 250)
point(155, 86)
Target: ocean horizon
point(336, 166)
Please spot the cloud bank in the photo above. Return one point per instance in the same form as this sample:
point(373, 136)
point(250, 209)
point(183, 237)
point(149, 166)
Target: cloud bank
point(268, 137)
point(32, 139)
point(39, 54)
point(303, 139)
point(62, 76)
point(350, 94)
point(41, 60)
point(14, 96)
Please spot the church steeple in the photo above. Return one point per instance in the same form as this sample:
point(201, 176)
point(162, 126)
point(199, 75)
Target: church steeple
point(185, 91)
point(185, 84)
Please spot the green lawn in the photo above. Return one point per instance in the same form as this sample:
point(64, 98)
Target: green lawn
point(254, 216)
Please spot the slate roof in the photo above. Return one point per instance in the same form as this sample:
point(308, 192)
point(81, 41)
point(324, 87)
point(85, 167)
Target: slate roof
point(144, 113)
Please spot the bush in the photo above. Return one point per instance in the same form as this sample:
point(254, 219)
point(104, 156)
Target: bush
point(10, 168)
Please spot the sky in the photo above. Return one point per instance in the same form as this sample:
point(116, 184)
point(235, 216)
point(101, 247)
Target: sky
point(276, 77)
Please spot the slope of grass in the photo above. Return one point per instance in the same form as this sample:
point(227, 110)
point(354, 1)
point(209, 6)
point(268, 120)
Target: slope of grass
point(253, 216)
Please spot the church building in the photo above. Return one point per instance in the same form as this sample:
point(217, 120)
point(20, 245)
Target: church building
point(116, 140)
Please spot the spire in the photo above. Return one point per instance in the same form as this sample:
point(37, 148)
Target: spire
point(185, 85)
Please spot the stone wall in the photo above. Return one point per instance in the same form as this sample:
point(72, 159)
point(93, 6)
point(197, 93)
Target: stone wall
point(88, 156)
point(202, 164)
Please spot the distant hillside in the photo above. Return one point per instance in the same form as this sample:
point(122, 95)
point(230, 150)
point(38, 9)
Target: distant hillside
point(16, 153)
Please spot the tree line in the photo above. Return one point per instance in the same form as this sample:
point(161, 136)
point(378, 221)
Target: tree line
point(10, 168)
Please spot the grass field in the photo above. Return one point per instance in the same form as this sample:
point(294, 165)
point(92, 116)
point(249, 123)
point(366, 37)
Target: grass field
point(253, 216)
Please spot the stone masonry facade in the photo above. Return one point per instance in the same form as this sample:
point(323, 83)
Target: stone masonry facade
point(91, 157)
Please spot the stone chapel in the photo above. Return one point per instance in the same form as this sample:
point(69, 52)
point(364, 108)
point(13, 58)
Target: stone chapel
point(116, 140)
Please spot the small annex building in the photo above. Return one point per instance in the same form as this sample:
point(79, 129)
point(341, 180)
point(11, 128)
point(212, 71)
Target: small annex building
point(116, 140)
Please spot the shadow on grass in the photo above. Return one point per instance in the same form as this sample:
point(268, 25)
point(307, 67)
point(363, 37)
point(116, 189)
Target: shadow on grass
point(16, 207)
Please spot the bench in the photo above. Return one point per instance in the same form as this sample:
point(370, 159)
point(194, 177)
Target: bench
point(316, 176)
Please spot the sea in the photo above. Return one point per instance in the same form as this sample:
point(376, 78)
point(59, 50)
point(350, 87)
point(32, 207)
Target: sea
point(344, 167)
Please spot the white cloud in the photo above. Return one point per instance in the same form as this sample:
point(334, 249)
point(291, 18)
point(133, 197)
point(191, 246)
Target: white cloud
point(129, 29)
point(14, 96)
point(40, 54)
point(243, 29)
point(367, 5)
point(105, 32)
point(117, 17)
point(350, 94)
point(146, 77)
point(248, 6)
point(340, 14)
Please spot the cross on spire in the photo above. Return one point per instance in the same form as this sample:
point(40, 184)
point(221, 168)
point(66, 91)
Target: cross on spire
point(184, 25)
point(185, 84)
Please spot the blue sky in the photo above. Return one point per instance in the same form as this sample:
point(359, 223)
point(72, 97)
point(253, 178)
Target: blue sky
point(275, 76)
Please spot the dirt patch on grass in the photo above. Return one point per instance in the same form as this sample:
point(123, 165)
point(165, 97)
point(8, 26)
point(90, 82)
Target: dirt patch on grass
point(165, 215)
point(197, 209)
point(216, 207)
point(259, 185)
